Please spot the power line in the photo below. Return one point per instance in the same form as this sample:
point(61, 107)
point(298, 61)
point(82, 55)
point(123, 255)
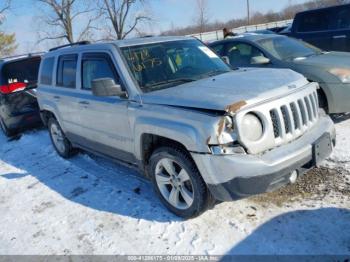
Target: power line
point(248, 12)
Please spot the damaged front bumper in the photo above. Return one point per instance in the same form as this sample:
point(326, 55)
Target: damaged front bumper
point(231, 177)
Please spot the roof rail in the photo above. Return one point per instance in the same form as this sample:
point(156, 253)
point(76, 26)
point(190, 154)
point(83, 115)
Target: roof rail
point(22, 55)
point(71, 44)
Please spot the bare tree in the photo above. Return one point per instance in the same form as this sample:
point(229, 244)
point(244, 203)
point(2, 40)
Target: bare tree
point(4, 7)
point(62, 17)
point(202, 18)
point(7, 41)
point(124, 16)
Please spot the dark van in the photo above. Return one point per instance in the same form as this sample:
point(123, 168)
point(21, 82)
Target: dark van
point(327, 28)
point(18, 104)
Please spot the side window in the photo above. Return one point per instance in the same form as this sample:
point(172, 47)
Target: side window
point(314, 22)
point(66, 72)
point(241, 54)
point(95, 66)
point(342, 18)
point(47, 71)
point(218, 49)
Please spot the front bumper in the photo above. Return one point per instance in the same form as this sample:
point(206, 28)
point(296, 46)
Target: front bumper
point(231, 177)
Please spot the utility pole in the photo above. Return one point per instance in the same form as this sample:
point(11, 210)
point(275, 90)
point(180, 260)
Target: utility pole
point(248, 12)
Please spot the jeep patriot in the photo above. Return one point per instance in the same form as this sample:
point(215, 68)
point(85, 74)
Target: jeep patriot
point(198, 129)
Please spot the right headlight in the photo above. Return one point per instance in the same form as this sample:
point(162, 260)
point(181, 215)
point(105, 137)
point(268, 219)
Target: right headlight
point(252, 127)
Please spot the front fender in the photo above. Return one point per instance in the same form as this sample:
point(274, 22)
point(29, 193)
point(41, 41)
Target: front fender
point(183, 133)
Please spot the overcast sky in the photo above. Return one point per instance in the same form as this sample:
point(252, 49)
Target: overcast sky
point(23, 19)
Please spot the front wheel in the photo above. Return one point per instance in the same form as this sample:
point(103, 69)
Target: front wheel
point(60, 142)
point(178, 182)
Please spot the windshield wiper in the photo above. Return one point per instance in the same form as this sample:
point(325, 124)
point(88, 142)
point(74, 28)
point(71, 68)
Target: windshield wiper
point(216, 72)
point(170, 81)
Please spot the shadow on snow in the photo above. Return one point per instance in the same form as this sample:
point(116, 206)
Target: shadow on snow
point(85, 179)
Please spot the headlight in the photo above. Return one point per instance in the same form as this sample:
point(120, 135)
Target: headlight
point(252, 127)
point(342, 73)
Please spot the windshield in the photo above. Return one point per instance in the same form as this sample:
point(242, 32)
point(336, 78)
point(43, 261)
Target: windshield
point(285, 48)
point(167, 64)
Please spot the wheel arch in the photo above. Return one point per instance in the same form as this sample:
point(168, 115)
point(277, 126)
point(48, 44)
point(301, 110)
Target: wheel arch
point(150, 142)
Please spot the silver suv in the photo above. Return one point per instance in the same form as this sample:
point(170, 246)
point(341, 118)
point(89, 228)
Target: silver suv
point(198, 129)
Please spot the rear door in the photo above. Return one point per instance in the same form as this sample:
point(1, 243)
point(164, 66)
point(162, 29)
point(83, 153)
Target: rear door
point(341, 27)
point(314, 27)
point(103, 121)
point(62, 93)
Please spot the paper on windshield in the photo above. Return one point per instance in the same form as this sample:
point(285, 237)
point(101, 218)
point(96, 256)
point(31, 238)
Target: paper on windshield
point(208, 52)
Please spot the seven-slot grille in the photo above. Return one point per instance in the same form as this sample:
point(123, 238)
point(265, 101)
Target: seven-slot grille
point(294, 118)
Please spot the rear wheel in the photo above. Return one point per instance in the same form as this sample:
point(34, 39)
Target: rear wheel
point(178, 182)
point(59, 140)
point(8, 132)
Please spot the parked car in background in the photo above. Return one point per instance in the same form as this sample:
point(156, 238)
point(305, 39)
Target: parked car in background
point(330, 69)
point(170, 106)
point(18, 104)
point(264, 32)
point(327, 28)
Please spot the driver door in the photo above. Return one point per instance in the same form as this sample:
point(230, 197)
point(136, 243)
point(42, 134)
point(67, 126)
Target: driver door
point(104, 121)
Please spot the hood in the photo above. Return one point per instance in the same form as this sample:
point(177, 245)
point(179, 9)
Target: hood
point(327, 60)
point(237, 88)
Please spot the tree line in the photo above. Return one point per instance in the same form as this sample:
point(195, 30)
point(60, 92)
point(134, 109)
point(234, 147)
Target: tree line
point(69, 21)
point(203, 24)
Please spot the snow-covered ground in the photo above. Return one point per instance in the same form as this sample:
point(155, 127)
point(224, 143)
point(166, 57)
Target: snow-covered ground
point(88, 205)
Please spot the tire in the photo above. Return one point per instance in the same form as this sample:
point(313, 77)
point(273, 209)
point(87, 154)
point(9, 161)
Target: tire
point(7, 132)
point(179, 186)
point(60, 142)
point(322, 100)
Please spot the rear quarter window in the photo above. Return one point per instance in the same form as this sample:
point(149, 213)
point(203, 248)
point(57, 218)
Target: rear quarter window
point(47, 71)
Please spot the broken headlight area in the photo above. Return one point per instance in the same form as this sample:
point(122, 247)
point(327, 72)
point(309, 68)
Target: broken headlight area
point(226, 142)
point(229, 149)
point(226, 131)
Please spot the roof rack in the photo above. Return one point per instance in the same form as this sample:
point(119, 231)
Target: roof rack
point(22, 55)
point(71, 44)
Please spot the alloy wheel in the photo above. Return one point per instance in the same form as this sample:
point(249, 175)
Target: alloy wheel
point(57, 138)
point(174, 183)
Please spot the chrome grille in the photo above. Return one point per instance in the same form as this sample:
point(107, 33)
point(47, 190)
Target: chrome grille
point(294, 117)
point(274, 118)
point(284, 118)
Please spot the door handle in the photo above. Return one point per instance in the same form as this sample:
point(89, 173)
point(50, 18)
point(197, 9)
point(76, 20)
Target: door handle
point(84, 103)
point(339, 36)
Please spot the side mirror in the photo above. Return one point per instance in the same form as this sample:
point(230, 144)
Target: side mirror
point(226, 59)
point(260, 60)
point(106, 87)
